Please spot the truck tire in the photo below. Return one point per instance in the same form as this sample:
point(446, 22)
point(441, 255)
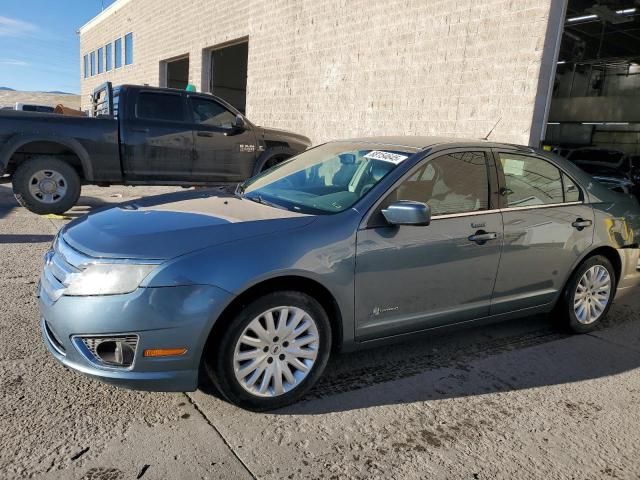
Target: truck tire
point(272, 157)
point(46, 185)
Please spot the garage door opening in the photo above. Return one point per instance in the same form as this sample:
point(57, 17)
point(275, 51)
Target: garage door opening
point(176, 73)
point(228, 74)
point(593, 113)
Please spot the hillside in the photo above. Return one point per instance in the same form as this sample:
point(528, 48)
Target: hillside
point(10, 97)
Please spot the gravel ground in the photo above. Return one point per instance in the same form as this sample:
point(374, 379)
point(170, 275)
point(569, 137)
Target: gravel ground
point(514, 400)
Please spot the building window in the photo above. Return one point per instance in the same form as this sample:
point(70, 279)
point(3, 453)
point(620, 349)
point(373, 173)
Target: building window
point(118, 52)
point(100, 60)
point(108, 57)
point(92, 61)
point(86, 65)
point(128, 49)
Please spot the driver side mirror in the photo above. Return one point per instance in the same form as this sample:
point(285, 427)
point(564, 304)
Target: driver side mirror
point(408, 212)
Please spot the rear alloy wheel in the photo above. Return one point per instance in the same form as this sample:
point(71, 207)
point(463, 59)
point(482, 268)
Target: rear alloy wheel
point(272, 352)
point(589, 294)
point(46, 185)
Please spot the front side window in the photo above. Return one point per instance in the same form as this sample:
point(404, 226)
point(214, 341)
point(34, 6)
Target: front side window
point(453, 183)
point(117, 59)
point(160, 106)
point(534, 181)
point(108, 56)
point(128, 49)
point(211, 113)
point(100, 60)
point(326, 179)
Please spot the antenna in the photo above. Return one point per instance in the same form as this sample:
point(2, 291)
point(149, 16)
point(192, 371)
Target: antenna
point(491, 131)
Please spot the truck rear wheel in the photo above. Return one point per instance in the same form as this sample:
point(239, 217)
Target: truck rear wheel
point(46, 185)
point(272, 157)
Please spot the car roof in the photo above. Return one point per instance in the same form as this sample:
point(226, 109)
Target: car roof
point(417, 142)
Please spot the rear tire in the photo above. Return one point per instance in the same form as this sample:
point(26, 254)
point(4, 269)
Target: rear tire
point(588, 295)
point(46, 185)
point(282, 330)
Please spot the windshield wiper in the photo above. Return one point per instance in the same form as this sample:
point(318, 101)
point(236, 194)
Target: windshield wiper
point(239, 192)
point(258, 199)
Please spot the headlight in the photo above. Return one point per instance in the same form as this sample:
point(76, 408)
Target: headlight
point(108, 279)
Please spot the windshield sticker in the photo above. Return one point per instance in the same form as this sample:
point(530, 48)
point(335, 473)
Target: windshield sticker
point(513, 167)
point(394, 158)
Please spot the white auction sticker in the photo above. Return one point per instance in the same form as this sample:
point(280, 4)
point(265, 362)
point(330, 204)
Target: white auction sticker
point(395, 158)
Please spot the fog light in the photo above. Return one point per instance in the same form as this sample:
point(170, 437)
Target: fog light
point(116, 351)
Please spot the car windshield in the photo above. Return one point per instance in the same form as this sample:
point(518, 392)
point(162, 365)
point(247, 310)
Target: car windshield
point(326, 179)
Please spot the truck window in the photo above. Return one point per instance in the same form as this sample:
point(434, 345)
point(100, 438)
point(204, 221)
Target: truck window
point(211, 113)
point(160, 106)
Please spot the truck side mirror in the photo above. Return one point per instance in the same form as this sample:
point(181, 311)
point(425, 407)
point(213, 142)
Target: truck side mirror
point(240, 124)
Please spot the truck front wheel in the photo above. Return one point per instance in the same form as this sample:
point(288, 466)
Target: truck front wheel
point(46, 185)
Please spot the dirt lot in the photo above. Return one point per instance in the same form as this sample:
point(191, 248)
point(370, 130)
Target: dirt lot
point(515, 400)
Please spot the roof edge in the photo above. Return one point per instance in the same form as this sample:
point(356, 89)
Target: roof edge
point(107, 12)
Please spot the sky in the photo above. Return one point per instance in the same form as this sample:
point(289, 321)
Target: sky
point(39, 46)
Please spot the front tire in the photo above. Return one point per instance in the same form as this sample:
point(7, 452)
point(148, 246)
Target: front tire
point(272, 352)
point(46, 185)
point(589, 294)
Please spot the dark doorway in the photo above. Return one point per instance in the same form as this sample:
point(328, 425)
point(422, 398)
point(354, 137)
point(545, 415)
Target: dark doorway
point(177, 73)
point(593, 109)
point(229, 74)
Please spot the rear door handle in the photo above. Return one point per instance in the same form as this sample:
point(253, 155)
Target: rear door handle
point(580, 224)
point(205, 134)
point(481, 237)
point(140, 130)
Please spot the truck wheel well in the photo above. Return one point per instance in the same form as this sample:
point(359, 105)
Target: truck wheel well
point(290, 283)
point(45, 149)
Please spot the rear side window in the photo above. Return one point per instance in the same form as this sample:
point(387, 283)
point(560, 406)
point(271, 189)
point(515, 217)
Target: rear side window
point(209, 112)
point(533, 181)
point(160, 106)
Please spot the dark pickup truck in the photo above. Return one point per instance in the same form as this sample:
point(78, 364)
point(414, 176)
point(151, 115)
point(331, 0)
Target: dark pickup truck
point(135, 135)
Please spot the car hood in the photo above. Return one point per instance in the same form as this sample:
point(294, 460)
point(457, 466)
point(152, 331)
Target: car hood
point(167, 226)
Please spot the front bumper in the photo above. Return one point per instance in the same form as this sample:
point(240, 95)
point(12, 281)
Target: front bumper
point(166, 317)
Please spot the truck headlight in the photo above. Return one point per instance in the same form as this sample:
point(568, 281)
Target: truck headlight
point(108, 279)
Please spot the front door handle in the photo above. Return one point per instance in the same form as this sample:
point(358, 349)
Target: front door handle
point(481, 237)
point(205, 134)
point(581, 224)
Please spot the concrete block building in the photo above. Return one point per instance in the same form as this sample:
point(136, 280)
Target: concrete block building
point(341, 68)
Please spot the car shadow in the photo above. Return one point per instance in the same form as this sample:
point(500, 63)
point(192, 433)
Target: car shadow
point(514, 355)
point(84, 205)
point(7, 201)
point(25, 238)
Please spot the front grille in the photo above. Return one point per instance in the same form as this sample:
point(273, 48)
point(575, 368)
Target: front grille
point(61, 265)
point(53, 339)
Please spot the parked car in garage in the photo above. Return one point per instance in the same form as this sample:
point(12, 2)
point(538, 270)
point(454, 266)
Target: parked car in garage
point(350, 244)
point(615, 169)
point(137, 135)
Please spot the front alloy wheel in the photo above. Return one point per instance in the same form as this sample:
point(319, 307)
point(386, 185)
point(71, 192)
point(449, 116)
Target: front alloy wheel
point(271, 352)
point(276, 351)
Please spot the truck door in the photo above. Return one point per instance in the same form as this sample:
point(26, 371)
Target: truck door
point(222, 152)
point(157, 138)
